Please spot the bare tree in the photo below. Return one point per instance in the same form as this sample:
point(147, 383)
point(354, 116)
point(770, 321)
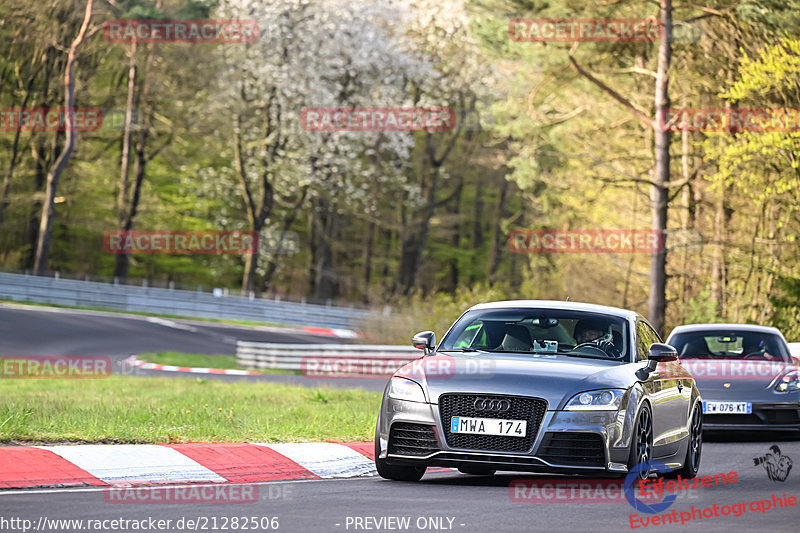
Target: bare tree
point(659, 186)
point(48, 207)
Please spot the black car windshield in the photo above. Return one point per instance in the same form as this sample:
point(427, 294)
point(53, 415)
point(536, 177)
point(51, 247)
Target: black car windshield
point(730, 344)
point(540, 331)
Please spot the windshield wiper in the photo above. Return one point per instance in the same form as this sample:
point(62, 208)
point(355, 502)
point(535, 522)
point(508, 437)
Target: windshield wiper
point(585, 356)
point(462, 350)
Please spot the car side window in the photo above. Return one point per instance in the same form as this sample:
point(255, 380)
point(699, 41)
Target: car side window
point(641, 341)
point(645, 336)
point(653, 335)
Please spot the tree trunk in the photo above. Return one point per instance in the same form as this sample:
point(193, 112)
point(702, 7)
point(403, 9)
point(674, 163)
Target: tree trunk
point(15, 153)
point(272, 266)
point(122, 261)
point(48, 207)
point(498, 240)
point(324, 276)
point(366, 273)
point(659, 191)
point(456, 239)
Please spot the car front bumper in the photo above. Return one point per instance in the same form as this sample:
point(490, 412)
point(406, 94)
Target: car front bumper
point(589, 442)
point(774, 416)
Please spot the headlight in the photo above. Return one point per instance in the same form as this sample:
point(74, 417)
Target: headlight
point(788, 383)
point(596, 400)
point(405, 389)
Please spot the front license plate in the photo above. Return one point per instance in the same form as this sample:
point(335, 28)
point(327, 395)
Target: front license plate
point(726, 408)
point(488, 426)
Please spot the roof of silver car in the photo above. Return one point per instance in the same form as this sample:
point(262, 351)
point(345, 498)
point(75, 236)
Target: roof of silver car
point(712, 327)
point(557, 304)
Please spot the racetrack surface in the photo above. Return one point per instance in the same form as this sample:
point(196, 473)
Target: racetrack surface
point(27, 330)
point(475, 504)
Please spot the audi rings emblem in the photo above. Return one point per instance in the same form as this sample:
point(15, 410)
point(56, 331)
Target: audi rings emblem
point(491, 405)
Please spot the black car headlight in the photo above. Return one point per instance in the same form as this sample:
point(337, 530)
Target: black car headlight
point(406, 389)
point(596, 400)
point(789, 383)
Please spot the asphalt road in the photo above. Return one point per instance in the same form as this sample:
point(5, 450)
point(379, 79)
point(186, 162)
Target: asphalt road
point(27, 330)
point(444, 501)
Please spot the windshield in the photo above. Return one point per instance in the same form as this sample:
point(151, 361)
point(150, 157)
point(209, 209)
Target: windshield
point(540, 332)
point(730, 344)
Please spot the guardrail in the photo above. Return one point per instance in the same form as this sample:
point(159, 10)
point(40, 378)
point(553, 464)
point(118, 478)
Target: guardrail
point(325, 359)
point(22, 288)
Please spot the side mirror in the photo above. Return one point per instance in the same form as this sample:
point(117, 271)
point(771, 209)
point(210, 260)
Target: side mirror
point(660, 353)
point(424, 340)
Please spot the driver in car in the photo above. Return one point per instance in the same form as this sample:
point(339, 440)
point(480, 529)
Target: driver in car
point(754, 347)
point(596, 333)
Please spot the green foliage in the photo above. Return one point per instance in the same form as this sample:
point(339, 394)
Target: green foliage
point(573, 158)
point(436, 312)
point(702, 309)
point(786, 307)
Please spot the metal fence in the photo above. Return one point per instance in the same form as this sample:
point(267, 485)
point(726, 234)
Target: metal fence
point(325, 359)
point(22, 288)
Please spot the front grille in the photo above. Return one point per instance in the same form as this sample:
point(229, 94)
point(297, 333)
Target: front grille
point(531, 410)
point(478, 458)
point(743, 420)
point(412, 439)
point(781, 416)
point(578, 449)
point(764, 416)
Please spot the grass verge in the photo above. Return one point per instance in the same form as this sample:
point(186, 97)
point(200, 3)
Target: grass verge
point(126, 409)
point(199, 360)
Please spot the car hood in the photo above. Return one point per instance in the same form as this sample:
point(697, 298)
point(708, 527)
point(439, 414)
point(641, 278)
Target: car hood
point(554, 378)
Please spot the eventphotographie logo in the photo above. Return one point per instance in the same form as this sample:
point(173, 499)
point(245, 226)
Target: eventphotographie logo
point(180, 31)
point(180, 242)
point(377, 119)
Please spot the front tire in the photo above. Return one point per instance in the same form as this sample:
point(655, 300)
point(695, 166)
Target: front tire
point(395, 472)
point(691, 463)
point(642, 443)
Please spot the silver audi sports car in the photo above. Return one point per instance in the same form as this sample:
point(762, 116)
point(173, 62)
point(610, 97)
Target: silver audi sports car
point(541, 386)
point(745, 373)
